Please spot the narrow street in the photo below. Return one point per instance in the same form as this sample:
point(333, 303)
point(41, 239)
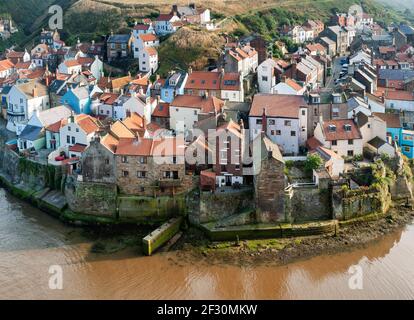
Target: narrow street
point(336, 70)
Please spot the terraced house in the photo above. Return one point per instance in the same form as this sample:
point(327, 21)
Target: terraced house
point(151, 167)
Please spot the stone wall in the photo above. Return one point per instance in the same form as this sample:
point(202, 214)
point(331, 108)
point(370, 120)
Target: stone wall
point(91, 198)
point(348, 205)
point(149, 209)
point(310, 203)
point(26, 172)
point(206, 207)
point(9, 161)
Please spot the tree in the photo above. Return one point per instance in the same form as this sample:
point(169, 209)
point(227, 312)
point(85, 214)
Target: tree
point(313, 161)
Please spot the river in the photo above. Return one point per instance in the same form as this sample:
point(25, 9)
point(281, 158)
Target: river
point(31, 242)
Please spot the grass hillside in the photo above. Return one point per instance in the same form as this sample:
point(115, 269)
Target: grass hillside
point(189, 47)
point(92, 19)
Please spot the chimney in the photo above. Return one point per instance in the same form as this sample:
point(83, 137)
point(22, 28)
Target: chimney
point(206, 94)
point(158, 99)
point(269, 154)
point(71, 119)
point(190, 70)
point(34, 91)
point(264, 121)
point(128, 113)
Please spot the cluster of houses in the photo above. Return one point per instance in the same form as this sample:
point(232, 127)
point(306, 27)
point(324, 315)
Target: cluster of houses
point(140, 133)
point(142, 42)
point(6, 27)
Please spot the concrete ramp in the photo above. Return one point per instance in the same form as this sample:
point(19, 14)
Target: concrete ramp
point(161, 235)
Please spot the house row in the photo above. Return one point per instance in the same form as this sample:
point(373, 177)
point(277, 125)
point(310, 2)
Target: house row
point(303, 33)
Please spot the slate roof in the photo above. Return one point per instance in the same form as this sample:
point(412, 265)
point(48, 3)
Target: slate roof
point(31, 133)
point(395, 74)
point(277, 105)
point(119, 38)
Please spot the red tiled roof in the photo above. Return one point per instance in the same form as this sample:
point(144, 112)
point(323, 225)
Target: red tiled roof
point(141, 27)
point(340, 133)
point(392, 119)
point(151, 51)
point(230, 81)
point(85, 61)
point(108, 98)
point(207, 105)
point(71, 63)
point(293, 84)
point(399, 95)
point(316, 47)
point(88, 123)
point(385, 50)
point(203, 80)
point(162, 110)
point(148, 37)
point(55, 127)
point(23, 65)
point(277, 105)
point(168, 147)
point(15, 54)
point(77, 148)
point(312, 143)
point(164, 17)
point(5, 65)
point(134, 147)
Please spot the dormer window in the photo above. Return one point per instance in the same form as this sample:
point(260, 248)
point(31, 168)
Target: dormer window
point(347, 127)
point(332, 128)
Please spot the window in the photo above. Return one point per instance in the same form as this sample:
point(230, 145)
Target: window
point(288, 123)
point(350, 153)
point(195, 112)
point(73, 140)
point(167, 174)
point(142, 160)
point(293, 133)
point(272, 132)
point(278, 132)
point(125, 173)
point(124, 160)
point(106, 161)
point(77, 129)
point(174, 160)
point(264, 78)
point(272, 122)
point(67, 139)
point(406, 149)
point(69, 128)
point(141, 174)
point(303, 113)
point(334, 142)
point(258, 121)
point(350, 141)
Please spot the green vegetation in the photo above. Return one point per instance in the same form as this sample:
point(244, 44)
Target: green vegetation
point(189, 46)
point(313, 162)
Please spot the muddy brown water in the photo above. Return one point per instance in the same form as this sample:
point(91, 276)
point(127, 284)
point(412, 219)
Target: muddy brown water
point(31, 242)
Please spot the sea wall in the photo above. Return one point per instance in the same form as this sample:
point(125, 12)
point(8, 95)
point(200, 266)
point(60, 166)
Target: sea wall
point(350, 204)
point(144, 209)
point(309, 203)
point(206, 207)
point(91, 198)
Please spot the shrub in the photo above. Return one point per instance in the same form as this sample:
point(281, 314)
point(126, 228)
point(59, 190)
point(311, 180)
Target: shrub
point(313, 161)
